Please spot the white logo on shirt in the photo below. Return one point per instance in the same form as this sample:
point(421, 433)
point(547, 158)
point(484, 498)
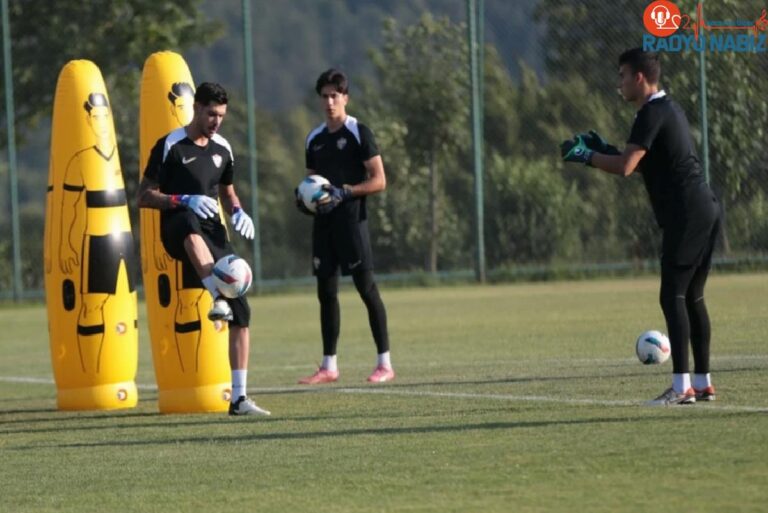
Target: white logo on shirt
point(216, 160)
point(186, 160)
point(341, 143)
point(317, 147)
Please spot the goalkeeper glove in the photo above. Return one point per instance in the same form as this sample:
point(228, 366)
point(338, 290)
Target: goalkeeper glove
point(594, 142)
point(202, 205)
point(242, 222)
point(575, 150)
point(336, 196)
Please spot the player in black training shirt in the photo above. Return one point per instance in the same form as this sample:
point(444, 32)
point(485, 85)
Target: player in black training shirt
point(344, 151)
point(661, 148)
point(188, 171)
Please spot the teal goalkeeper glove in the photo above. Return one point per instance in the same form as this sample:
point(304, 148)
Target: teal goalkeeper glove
point(594, 142)
point(576, 150)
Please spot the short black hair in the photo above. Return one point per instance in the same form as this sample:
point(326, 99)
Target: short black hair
point(333, 77)
point(180, 89)
point(209, 92)
point(95, 100)
point(640, 61)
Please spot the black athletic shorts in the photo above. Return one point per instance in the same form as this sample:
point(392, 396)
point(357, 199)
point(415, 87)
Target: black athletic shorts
point(175, 226)
point(342, 243)
point(105, 252)
point(689, 238)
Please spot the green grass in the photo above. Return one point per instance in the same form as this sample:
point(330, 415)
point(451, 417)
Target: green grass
point(508, 398)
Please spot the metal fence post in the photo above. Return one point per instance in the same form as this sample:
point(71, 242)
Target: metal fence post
point(475, 11)
point(12, 169)
point(703, 107)
point(252, 162)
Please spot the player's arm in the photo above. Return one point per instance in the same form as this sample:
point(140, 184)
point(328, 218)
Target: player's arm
point(149, 195)
point(228, 197)
point(622, 165)
point(376, 181)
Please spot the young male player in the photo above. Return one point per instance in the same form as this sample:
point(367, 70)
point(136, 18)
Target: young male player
point(660, 147)
point(344, 151)
point(188, 172)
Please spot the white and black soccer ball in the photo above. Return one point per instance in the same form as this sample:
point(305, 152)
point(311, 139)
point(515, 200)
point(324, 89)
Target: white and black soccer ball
point(232, 276)
point(652, 347)
point(311, 191)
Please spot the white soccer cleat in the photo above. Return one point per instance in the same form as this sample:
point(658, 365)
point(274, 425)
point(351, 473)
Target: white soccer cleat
point(671, 398)
point(245, 406)
point(220, 311)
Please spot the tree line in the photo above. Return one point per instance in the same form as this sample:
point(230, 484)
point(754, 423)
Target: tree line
point(416, 100)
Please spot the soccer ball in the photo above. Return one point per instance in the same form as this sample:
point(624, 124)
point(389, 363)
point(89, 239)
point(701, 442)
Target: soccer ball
point(311, 191)
point(232, 276)
point(652, 347)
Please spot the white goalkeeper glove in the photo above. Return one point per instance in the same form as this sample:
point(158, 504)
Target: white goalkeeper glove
point(242, 223)
point(202, 205)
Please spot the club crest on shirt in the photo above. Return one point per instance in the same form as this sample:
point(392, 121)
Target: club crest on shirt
point(216, 159)
point(316, 263)
point(341, 143)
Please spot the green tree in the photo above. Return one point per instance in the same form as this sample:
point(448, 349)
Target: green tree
point(117, 35)
point(422, 70)
point(584, 40)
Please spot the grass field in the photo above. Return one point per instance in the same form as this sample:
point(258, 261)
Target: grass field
point(508, 398)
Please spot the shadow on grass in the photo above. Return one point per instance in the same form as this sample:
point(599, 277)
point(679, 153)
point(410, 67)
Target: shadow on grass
point(347, 433)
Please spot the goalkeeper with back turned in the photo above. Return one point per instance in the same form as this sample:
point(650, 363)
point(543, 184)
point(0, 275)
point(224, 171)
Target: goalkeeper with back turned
point(661, 148)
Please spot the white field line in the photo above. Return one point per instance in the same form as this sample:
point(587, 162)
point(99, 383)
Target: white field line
point(531, 398)
point(521, 362)
point(428, 393)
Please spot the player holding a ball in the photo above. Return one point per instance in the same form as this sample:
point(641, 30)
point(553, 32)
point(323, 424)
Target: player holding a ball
point(661, 148)
point(344, 151)
point(188, 172)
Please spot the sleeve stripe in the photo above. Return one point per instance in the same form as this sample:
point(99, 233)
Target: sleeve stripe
point(313, 133)
point(171, 139)
point(220, 140)
point(351, 124)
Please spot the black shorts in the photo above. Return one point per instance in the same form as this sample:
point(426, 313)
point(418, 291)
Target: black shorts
point(687, 242)
point(175, 226)
point(343, 243)
point(105, 252)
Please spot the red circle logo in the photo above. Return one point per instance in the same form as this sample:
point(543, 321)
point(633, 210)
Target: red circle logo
point(661, 18)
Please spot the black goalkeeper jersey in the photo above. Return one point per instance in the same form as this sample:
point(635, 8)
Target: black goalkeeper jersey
point(670, 168)
point(339, 156)
point(180, 166)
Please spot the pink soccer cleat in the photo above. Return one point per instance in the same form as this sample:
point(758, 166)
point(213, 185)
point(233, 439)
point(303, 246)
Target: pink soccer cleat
point(321, 376)
point(381, 374)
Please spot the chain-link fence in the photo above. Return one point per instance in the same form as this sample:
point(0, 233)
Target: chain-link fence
point(549, 71)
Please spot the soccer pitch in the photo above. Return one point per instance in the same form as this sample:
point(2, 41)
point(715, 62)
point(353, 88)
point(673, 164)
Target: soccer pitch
point(523, 397)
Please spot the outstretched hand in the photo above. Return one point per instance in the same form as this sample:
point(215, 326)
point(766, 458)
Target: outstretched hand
point(576, 150)
point(595, 142)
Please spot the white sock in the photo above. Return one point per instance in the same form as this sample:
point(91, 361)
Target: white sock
point(383, 360)
point(681, 382)
point(701, 381)
point(211, 286)
point(239, 380)
point(329, 363)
